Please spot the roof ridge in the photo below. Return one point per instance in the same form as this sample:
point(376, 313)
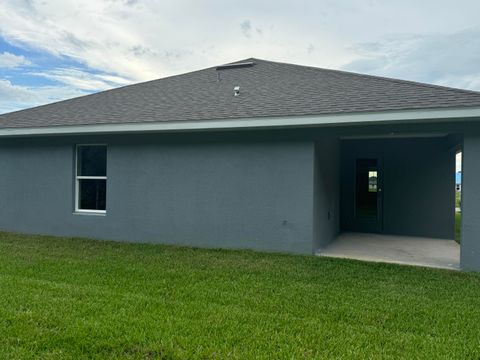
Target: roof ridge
point(385, 78)
point(419, 95)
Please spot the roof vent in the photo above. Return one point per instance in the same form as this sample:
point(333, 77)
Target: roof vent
point(236, 65)
point(236, 90)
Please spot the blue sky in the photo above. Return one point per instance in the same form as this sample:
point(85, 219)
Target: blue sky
point(57, 49)
point(31, 77)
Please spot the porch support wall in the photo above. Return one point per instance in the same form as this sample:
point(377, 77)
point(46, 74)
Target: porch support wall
point(470, 243)
point(327, 188)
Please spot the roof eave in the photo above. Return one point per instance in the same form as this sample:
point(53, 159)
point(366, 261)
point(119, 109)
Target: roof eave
point(360, 118)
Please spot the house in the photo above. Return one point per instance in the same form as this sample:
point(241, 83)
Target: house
point(253, 154)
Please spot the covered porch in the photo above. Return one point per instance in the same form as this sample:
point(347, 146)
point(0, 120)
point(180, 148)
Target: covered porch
point(391, 197)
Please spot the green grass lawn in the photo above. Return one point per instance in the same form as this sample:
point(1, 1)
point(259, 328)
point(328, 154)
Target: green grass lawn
point(458, 226)
point(75, 299)
point(458, 199)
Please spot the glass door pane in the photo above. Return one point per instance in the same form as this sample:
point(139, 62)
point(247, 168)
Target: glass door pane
point(366, 189)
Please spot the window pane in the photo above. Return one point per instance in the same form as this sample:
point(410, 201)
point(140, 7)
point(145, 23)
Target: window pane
point(372, 181)
point(92, 194)
point(92, 160)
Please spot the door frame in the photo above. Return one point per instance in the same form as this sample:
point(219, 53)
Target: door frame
point(363, 226)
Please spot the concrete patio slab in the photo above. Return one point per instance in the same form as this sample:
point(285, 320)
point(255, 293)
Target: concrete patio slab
point(409, 250)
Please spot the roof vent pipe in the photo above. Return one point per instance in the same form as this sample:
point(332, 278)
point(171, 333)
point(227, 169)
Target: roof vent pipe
point(236, 90)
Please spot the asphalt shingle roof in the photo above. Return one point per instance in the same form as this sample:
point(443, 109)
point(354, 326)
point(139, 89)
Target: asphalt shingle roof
point(267, 89)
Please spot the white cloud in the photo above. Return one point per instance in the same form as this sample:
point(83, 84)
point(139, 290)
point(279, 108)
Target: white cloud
point(10, 92)
point(137, 40)
point(14, 97)
point(10, 61)
point(443, 59)
point(83, 80)
point(149, 39)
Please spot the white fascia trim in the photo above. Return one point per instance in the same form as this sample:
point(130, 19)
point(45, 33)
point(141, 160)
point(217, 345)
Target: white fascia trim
point(366, 118)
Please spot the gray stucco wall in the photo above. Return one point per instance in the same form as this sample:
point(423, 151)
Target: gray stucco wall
point(418, 185)
point(231, 194)
point(470, 245)
point(327, 196)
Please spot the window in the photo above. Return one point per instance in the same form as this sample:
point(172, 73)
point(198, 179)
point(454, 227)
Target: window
point(372, 181)
point(91, 178)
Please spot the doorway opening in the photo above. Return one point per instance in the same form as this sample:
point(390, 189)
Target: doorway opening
point(458, 196)
point(368, 201)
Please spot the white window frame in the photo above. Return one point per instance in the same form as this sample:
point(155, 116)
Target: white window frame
point(77, 183)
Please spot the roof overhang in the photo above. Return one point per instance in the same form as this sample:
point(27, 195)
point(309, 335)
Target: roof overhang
point(330, 120)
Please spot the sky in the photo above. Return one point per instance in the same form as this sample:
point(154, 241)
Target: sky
point(57, 49)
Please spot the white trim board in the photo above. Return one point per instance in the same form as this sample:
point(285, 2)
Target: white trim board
point(363, 118)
